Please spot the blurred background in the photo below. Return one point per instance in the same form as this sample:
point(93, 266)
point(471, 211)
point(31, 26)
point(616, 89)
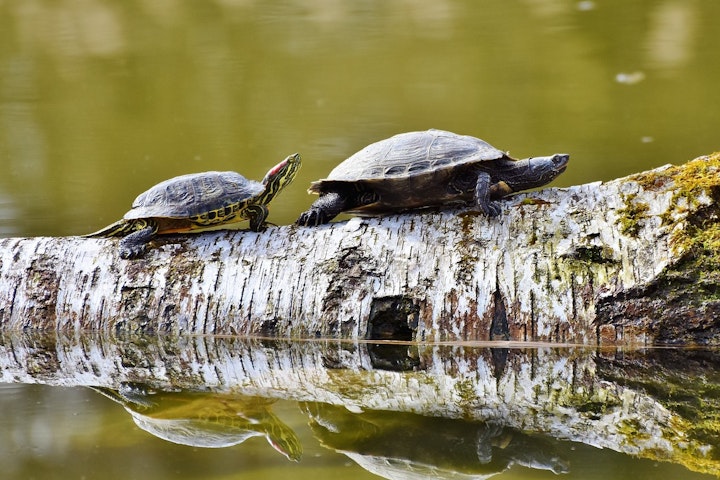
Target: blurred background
point(99, 100)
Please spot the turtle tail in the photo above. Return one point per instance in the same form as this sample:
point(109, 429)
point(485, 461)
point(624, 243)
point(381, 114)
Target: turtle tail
point(120, 228)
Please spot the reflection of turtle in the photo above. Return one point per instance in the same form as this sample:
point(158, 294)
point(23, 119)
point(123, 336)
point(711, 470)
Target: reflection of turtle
point(198, 201)
point(205, 419)
point(426, 169)
point(406, 445)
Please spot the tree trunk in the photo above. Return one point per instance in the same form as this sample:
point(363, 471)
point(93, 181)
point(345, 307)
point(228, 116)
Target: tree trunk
point(631, 260)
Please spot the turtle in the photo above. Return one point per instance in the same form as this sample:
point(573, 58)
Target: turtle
point(198, 201)
point(205, 419)
point(432, 168)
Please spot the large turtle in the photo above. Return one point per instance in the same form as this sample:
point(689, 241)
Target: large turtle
point(426, 169)
point(198, 201)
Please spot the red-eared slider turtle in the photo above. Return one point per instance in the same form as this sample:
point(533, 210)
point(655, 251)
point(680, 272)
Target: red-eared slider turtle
point(426, 169)
point(198, 201)
point(206, 419)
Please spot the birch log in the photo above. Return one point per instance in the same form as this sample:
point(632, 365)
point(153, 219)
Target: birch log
point(595, 263)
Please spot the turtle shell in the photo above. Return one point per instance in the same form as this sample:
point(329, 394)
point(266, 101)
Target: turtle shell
point(194, 194)
point(412, 154)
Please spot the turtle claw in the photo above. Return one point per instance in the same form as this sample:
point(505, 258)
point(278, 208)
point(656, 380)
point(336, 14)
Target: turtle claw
point(307, 219)
point(263, 227)
point(129, 252)
point(492, 210)
point(324, 209)
point(311, 218)
point(135, 244)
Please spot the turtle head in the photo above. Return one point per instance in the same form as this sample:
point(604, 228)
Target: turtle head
point(536, 171)
point(280, 176)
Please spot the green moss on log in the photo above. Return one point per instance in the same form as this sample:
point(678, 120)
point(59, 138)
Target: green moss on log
point(632, 216)
point(683, 304)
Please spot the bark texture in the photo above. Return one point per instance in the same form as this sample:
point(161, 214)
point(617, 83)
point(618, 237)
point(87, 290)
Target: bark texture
point(595, 263)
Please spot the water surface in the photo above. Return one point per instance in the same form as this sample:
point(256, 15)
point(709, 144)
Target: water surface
point(101, 100)
point(205, 407)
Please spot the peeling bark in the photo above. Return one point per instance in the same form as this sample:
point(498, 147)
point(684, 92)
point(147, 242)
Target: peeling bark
point(595, 263)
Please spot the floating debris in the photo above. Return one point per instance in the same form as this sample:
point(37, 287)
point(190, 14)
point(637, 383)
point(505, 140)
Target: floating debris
point(630, 78)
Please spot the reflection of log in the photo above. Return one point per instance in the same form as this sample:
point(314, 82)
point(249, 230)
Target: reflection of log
point(550, 391)
point(613, 262)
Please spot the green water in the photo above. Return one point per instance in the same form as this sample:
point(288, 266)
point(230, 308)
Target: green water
point(100, 100)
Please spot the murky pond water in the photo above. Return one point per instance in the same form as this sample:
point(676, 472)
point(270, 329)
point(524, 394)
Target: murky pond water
point(101, 99)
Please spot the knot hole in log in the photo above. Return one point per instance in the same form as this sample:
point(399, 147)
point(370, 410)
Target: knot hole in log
point(393, 318)
point(499, 329)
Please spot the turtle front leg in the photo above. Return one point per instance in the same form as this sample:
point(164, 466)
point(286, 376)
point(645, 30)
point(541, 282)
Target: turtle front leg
point(482, 196)
point(324, 209)
point(257, 214)
point(135, 244)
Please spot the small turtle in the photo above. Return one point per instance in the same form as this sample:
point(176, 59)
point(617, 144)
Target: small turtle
point(198, 201)
point(205, 419)
point(426, 169)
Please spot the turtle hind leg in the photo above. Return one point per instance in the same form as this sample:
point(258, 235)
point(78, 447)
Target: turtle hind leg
point(135, 244)
point(482, 196)
point(324, 209)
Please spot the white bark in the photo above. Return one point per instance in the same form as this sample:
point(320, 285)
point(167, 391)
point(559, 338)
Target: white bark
point(536, 273)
